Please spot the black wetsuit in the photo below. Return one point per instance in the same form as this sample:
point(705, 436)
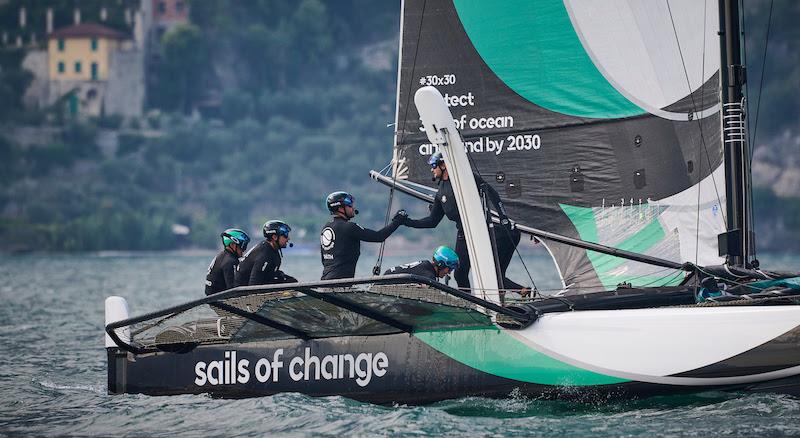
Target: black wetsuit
point(266, 267)
point(220, 274)
point(246, 265)
point(340, 245)
point(423, 268)
point(507, 239)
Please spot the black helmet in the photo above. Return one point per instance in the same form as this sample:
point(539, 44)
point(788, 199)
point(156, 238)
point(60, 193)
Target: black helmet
point(278, 228)
point(237, 236)
point(339, 199)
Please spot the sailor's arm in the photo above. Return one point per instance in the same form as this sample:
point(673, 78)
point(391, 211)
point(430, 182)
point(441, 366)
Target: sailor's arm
point(494, 198)
point(286, 278)
point(228, 272)
point(283, 277)
point(432, 220)
point(367, 235)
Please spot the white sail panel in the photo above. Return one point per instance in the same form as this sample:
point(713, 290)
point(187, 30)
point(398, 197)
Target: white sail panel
point(653, 53)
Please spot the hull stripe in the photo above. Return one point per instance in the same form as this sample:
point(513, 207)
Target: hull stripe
point(494, 351)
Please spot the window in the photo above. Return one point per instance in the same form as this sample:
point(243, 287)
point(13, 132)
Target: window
point(94, 44)
point(179, 6)
point(162, 8)
point(77, 66)
point(61, 67)
point(61, 44)
point(94, 71)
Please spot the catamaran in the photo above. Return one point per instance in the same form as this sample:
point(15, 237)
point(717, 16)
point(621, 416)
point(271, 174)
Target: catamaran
point(613, 137)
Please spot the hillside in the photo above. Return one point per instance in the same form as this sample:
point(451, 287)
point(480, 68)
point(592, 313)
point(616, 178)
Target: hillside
point(257, 110)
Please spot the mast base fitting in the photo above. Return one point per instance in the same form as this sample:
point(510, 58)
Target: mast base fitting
point(730, 243)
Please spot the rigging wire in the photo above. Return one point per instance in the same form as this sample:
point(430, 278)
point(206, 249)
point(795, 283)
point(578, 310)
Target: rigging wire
point(667, 280)
point(700, 160)
point(758, 110)
point(744, 61)
point(763, 73)
point(694, 108)
point(737, 283)
point(506, 230)
point(647, 274)
point(377, 268)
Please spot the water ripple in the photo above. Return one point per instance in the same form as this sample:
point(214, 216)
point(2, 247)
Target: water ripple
point(54, 375)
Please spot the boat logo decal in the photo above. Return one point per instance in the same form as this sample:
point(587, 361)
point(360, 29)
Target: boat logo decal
point(327, 238)
point(233, 370)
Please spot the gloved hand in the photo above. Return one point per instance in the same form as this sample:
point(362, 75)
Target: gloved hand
point(401, 216)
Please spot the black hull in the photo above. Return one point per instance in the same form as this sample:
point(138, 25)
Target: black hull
point(417, 374)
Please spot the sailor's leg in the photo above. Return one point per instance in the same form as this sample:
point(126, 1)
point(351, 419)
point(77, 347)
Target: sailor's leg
point(507, 242)
point(462, 272)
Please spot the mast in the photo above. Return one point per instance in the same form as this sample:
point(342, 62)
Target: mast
point(736, 243)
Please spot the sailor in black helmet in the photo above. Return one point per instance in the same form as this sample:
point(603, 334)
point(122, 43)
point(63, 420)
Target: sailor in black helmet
point(340, 239)
point(220, 274)
point(262, 264)
point(444, 204)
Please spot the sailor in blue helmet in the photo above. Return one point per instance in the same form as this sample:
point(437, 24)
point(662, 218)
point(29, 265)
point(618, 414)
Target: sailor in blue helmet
point(220, 274)
point(340, 239)
point(443, 262)
point(262, 264)
point(444, 204)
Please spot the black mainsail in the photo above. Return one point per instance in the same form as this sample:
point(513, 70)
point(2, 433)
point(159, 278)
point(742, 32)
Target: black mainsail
point(598, 121)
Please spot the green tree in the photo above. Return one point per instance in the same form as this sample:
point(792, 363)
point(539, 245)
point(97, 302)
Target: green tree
point(184, 68)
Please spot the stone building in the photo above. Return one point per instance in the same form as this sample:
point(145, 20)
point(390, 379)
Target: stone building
point(95, 70)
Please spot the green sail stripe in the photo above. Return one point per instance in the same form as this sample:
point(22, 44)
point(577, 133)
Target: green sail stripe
point(639, 243)
point(584, 221)
point(532, 46)
point(494, 351)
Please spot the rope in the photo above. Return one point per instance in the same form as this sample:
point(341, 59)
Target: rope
point(506, 230)
point(700, 158)
point(758, 108)
point(763, 73)
point(694, 106)
point(376, 270)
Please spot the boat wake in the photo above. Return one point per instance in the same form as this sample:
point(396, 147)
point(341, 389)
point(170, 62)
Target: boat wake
point(49, 384)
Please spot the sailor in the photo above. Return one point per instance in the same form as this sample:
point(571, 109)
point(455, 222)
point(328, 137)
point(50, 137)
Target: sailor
point(444, 204)
point(267, 263)
point(262, 264)
point(443, 262)
point(220, 274)
point(340, 239)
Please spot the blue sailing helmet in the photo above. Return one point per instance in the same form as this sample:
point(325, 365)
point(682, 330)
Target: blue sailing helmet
point(339, 199)
point(278, 228)
point(237, 236)
point(445, 257)
point(435, 159)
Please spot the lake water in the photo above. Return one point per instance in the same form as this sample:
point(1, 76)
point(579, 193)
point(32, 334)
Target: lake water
point(53, 369)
